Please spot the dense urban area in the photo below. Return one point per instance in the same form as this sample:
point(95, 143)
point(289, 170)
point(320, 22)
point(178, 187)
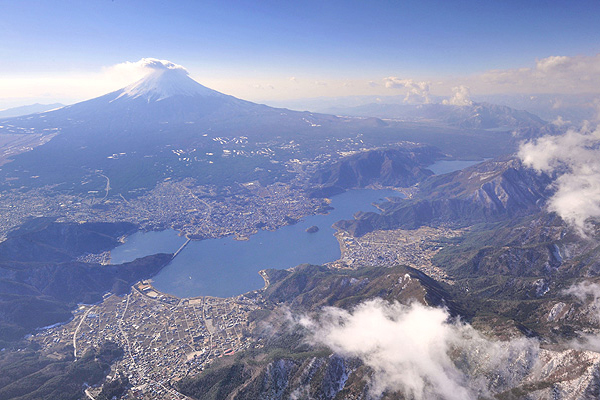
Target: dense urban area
point(164, 338)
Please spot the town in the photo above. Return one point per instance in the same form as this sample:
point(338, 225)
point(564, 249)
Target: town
point(164, 338)
point(396, 247)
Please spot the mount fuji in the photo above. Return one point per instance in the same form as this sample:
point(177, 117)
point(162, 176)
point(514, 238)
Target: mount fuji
point(164, 83)
point(166, 125)
point(166, 95)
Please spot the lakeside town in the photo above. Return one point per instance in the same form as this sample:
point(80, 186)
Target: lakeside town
point(415, 247)
point(164, 338)
point(196, 211)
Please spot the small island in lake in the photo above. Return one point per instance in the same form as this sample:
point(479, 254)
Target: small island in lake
point(312, 229)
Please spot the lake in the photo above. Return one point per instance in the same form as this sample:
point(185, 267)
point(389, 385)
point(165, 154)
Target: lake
point(227, 267)
point(142, 244)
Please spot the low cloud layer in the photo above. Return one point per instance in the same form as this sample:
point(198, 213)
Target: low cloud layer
point(420, 351)
point(587, 291)
point(575, 158)
point(154, 63)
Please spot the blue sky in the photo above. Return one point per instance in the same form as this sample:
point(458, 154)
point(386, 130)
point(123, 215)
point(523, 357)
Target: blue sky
point(240, 45)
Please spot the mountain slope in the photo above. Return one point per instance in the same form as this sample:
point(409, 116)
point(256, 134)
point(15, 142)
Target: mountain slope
point(286, 364)
point(168, 126)
point(401, 167)
point(486, 192)
point(162, 97)
point(41, 281)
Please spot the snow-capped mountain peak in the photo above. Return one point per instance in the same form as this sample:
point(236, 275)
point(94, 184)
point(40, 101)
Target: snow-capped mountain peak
point(165, 82)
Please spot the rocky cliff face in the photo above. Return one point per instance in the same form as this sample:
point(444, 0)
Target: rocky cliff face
point(313, 377)
point(310, 287)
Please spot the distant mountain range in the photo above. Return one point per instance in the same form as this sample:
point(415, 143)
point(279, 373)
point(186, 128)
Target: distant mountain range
point(30, 109)
point(572, 108)
point(473, 116)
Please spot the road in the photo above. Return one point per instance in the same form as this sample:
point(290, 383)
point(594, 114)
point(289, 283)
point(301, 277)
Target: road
point(77, 330)
point(107, 189)
point(209, 216)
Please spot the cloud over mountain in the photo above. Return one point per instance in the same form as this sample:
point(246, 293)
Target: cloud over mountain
point(575, 158)
point(461, 97)
point(137, 69)
point(588, 294)
point(416, 91)
point(418, 350)
point(154, 63)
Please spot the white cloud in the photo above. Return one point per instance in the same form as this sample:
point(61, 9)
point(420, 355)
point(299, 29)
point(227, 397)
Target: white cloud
point(461, 97)
point(555, 74)
point(420, 351)
point(416, 91)
point(596, 105)
point(575, 158)
point(146, 64)
point(560, 122)
point(262, 87)
point(587, 293)
point(154, 63)
point(553, 63)
point(131, 71)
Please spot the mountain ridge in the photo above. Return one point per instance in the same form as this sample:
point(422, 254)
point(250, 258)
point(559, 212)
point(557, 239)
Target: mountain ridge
point(28, 109)
point(471, 116)
point(485, 192)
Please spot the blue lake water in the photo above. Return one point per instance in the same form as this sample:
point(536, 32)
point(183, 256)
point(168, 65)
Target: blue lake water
point(447, 166)
point(227, 267)
point(145, 243)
